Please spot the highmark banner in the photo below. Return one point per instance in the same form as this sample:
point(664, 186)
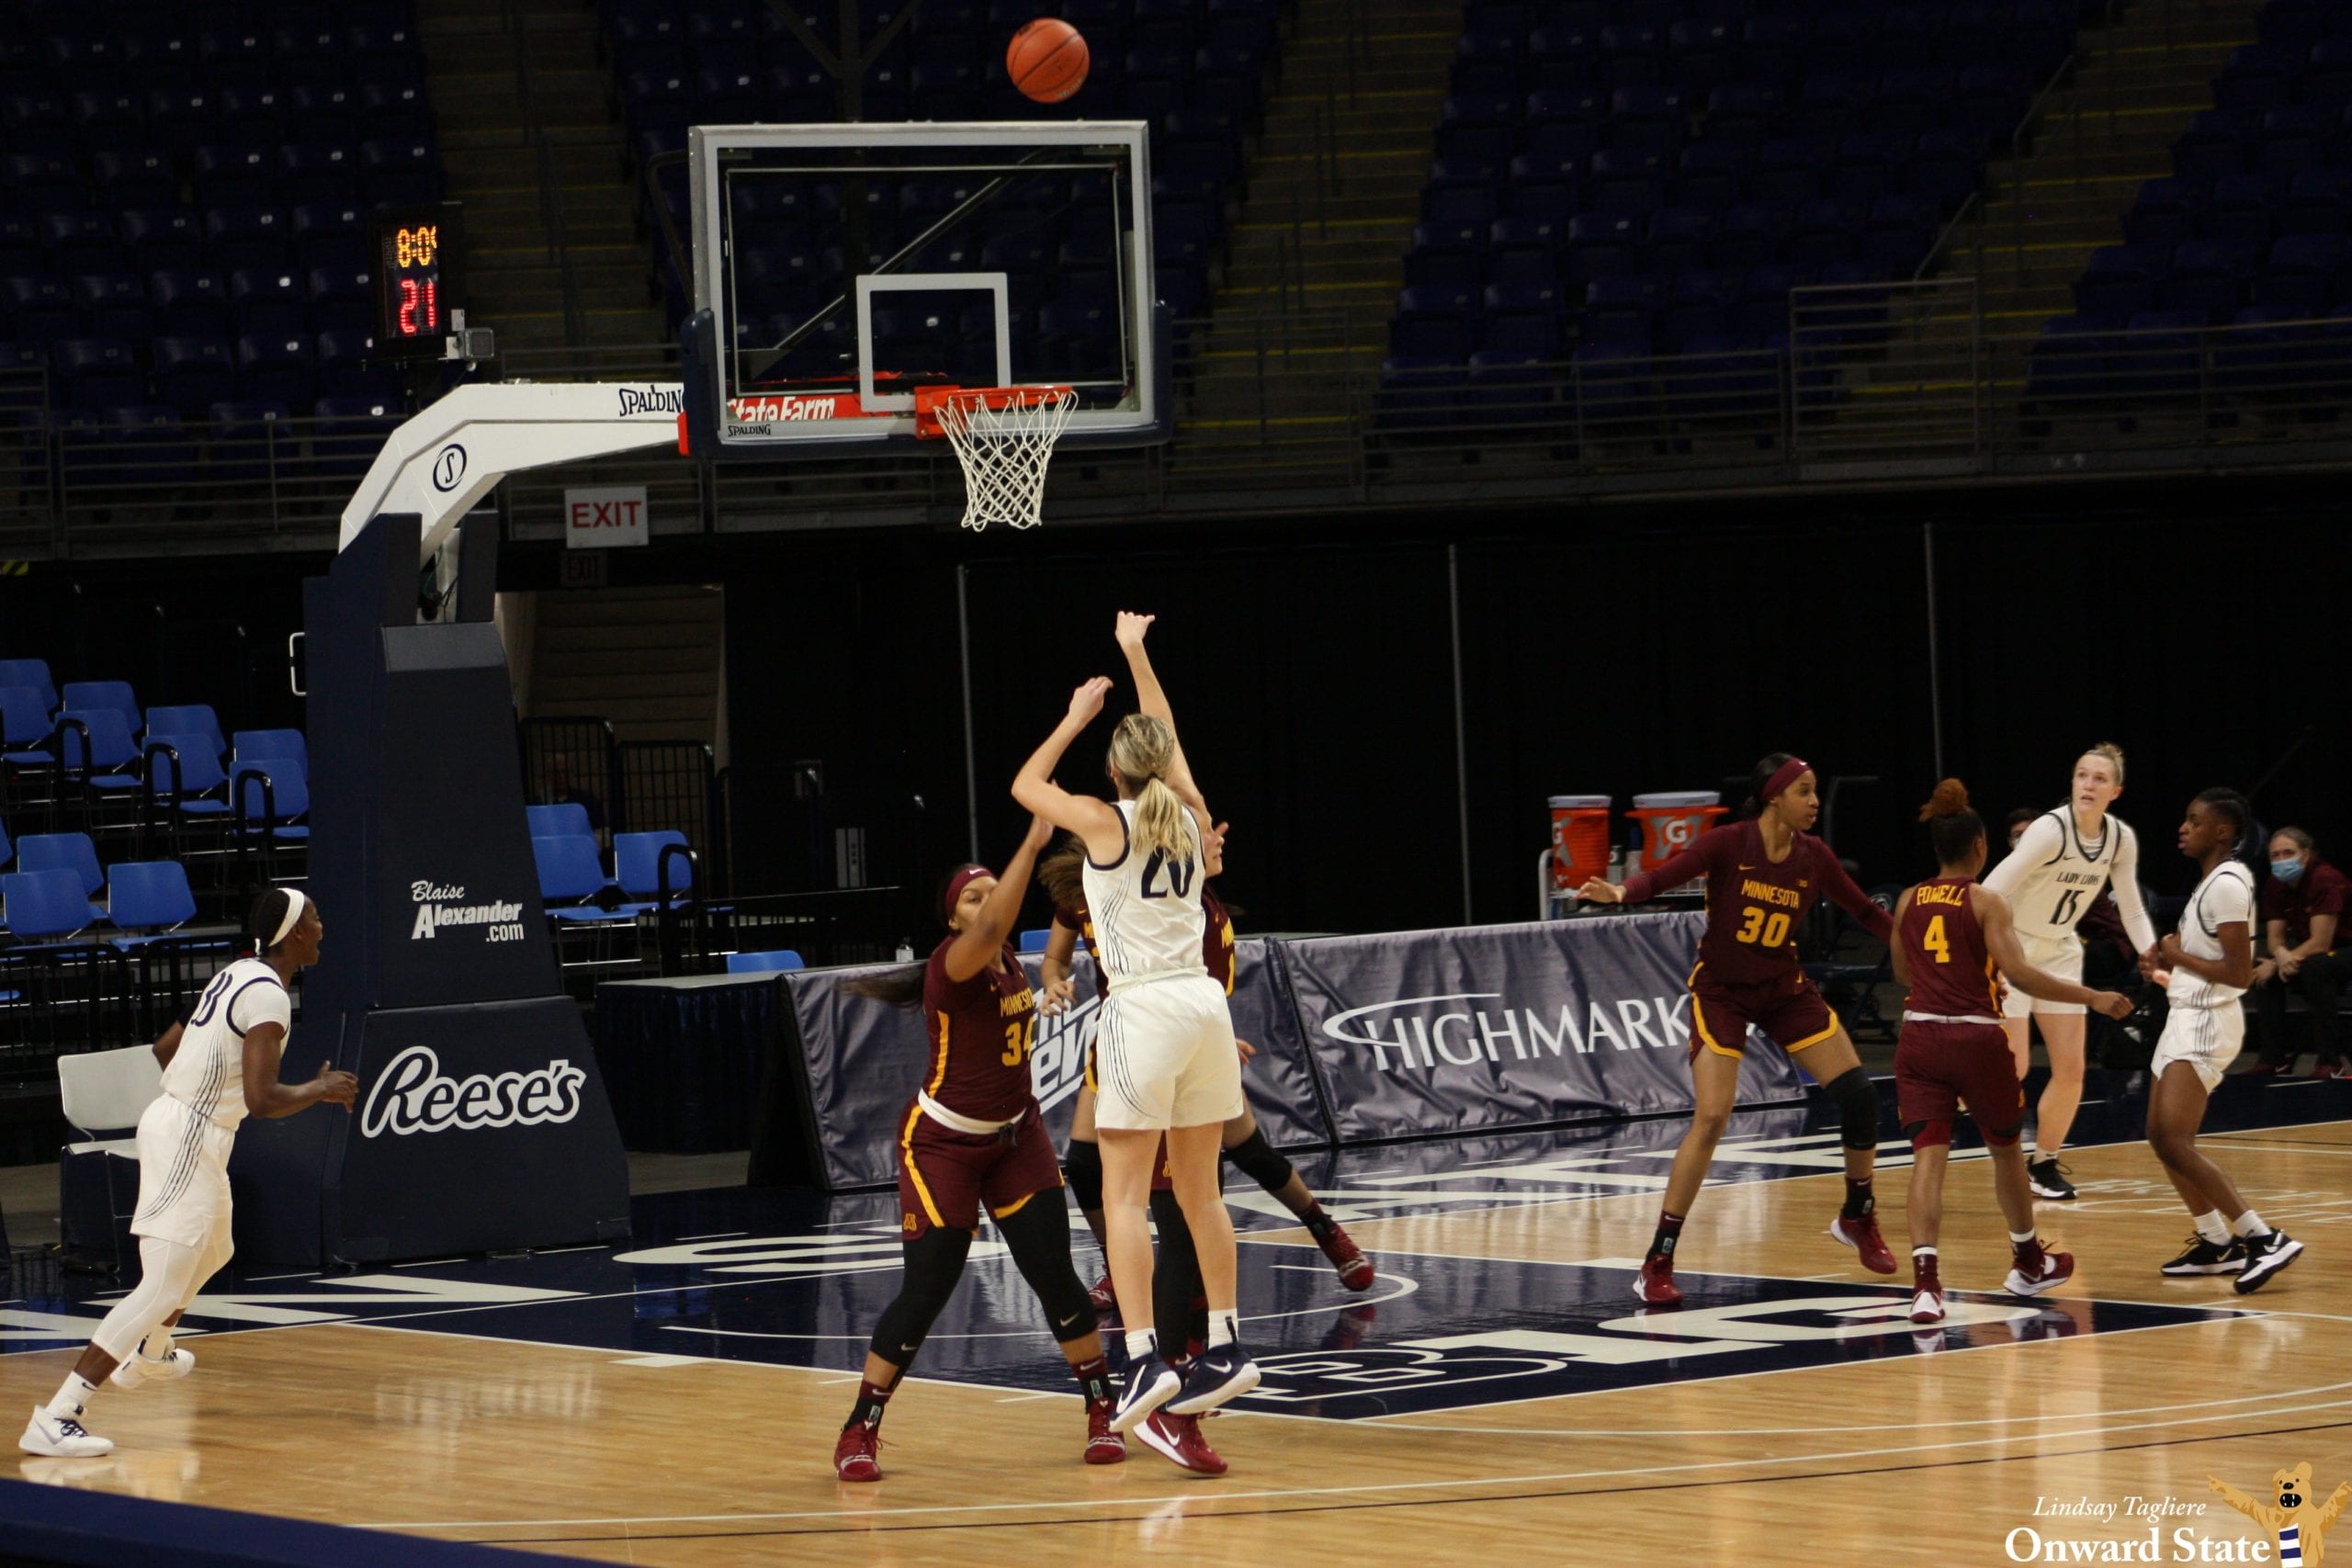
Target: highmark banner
point(1414, 1033)
point(1357, 1038)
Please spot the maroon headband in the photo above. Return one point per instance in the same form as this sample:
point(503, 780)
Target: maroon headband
point(1786, 774)
point(957, 883)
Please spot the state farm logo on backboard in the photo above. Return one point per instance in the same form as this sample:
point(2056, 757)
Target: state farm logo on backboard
point(786, 408)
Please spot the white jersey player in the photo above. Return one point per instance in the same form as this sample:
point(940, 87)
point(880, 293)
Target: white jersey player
point(218, 1066)
point(1165, 1061)
point(2205, 969)
point(2050, 877)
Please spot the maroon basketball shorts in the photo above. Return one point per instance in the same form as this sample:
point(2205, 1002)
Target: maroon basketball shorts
point(1787, 1009)
point(945, 1175)
point(1939, 1067)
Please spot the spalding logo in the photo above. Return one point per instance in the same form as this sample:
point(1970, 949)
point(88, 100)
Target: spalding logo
point(412, 1096)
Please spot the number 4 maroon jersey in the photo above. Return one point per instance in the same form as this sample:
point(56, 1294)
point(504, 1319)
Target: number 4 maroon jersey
point(1951, 969)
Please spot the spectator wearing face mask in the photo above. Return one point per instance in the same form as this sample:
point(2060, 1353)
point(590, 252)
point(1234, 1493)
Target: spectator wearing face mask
point(2303, 909)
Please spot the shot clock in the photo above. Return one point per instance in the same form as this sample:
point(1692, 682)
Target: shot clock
point(419, 291)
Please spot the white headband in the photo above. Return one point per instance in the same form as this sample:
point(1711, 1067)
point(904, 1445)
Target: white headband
point(293, 918)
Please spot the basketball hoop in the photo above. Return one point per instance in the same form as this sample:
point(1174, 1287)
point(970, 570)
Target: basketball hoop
point(1003, 436)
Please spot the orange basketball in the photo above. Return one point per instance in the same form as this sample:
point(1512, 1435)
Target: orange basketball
point(1047, 59)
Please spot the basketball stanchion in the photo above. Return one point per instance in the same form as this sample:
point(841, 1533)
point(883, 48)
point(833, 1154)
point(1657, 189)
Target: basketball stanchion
point(1003, 437)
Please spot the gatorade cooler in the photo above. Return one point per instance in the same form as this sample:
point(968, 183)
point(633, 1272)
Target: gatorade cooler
point(1669, 821)
point(1580, 840)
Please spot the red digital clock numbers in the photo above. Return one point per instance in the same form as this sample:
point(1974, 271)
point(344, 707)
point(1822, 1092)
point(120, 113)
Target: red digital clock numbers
point(416, 286)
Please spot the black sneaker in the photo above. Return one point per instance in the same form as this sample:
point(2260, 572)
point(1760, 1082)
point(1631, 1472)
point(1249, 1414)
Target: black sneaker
point(2266, 1256)
point(2207, 1257)
point(1214, 1377)
point(2048, 1178)
point(1151, 1382)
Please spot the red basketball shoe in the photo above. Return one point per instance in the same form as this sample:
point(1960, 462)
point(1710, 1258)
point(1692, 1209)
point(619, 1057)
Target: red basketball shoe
point(1178, 1439)
point(2054, 1269)
point(854, 1456)
point(1102, 1296)
point(1103, 1445)
point(1656, 1285)
point(1927, 1302)
point(1862, 1234)
point(1356, 1271)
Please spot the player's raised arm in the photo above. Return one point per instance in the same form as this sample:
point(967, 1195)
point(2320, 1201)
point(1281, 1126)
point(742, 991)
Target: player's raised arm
point(977, 945)
point(2001, 942)
point(1153, 700)
point(1096, 822)
point(1694, 860)
point(1842, 890)
point(1895, 951)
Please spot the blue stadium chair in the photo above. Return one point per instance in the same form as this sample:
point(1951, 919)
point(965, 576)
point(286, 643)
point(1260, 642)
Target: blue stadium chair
point(42, 311)
point(184, 774)
point(1521, 319)
point(97, 373)
point(2207, 279)
point(1681, 238)
point(114, 305)
point(1602, 244)
point(396, 110)
point(2305, 274)
point(1712, 173)
point(152, 446)
point(180, 115)
point(2119, 284)
point(2213, 145)
point(25, 728)
point(192, 374)
point(1946, 165)
point(43, 182)
point(70, 853)
point(275, 370)
point(340, 301)
point(189, 719)
point(82, 695)
point(1035, 939)
point(2165, 214)
point(266, 745)
point(77, 242)
point(130, 178)
point(2239, 208)
point(1632, 183)
point(565, 818)
point(1619, 312)
point(2328, 75)
point(313, 172)
point(644, 863)
point(784, 959)
point(44, 905)
point(242, 176)
point(270, 800)
point(164, 239)
point(245, 441)
point(149, 897)
point(254, 115)
point(1750, 235)
point(2317, 203)
point(250, 239)
point(31, 675)
point(266, 302)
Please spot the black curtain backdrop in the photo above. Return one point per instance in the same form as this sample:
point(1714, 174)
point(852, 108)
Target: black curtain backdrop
point(2200, 624)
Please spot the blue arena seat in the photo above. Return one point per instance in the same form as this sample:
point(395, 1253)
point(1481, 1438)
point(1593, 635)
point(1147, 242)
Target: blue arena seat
point(779, 960)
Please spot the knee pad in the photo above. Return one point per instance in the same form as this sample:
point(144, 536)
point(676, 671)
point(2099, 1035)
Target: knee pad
point(1857, 1104)
point(1257, 1160)
point(1928, 1134)
point(934, 1262)
point(1082, 1167)
point(1037, 1235)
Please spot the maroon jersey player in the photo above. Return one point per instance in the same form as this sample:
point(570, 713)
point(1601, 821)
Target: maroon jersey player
point(1764, 873)
point(973, 1137)
point(1953, 943)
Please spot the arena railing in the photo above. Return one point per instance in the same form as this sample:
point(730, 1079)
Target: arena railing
point(1879, 384)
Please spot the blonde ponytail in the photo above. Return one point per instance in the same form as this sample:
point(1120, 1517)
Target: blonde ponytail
point(1142, 750)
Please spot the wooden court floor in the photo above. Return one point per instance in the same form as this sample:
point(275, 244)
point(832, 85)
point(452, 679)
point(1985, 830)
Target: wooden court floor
point(1906, 1455)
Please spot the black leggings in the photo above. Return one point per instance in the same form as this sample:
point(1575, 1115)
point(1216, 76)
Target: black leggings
point(1175, 1278)
point(1036, 1233)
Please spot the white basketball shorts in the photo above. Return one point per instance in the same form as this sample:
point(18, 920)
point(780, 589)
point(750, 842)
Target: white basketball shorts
point(2059, 955)
point(183, 1175)
point(1164, 1056)
point(2208, 1039)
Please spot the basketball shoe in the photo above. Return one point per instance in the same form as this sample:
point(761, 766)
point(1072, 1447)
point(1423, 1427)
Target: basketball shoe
point(2264, 1256)
point(1103, 1445)
point(1655, 1285)
point(1151, 1382)
point(2049, 1272)
point(854, 1455)
point(1860, 1232)
point(1214, 1377)
point(2048, 1178)
point(136, 1369)
point(1356, 1271)
point(1102, 1296)
point(1177, 1438)
point(61, 1436)
point(2204, 1257)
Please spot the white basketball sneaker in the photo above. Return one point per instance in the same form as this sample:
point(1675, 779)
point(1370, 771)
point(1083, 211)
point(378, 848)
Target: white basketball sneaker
point(61, 1436)
point(138, 1368)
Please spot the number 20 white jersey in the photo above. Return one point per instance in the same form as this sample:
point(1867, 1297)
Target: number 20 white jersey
point(1146, 908)
point(2051, 878)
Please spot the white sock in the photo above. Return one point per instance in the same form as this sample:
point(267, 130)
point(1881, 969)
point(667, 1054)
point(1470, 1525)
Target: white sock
point(1919, 1252)
point(157, 1345)
point(1138, 1344)
point(72, 1395)
point(1221, 1326)
point(2249, 1224)
point(2018, 1238)
point(2213, 1229)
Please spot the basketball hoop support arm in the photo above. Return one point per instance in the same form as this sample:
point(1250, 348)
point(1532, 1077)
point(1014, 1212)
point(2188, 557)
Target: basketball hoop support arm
point(449, 456)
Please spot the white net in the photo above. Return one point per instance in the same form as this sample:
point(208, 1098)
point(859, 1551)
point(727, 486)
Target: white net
point(1004, 447)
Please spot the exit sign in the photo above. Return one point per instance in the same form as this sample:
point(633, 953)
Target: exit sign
point(604, 519)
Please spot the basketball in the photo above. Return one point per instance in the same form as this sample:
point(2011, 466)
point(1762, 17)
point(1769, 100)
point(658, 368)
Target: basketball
point(1047, 59)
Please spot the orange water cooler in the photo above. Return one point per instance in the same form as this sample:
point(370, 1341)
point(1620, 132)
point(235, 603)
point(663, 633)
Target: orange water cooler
point(1669, 821)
